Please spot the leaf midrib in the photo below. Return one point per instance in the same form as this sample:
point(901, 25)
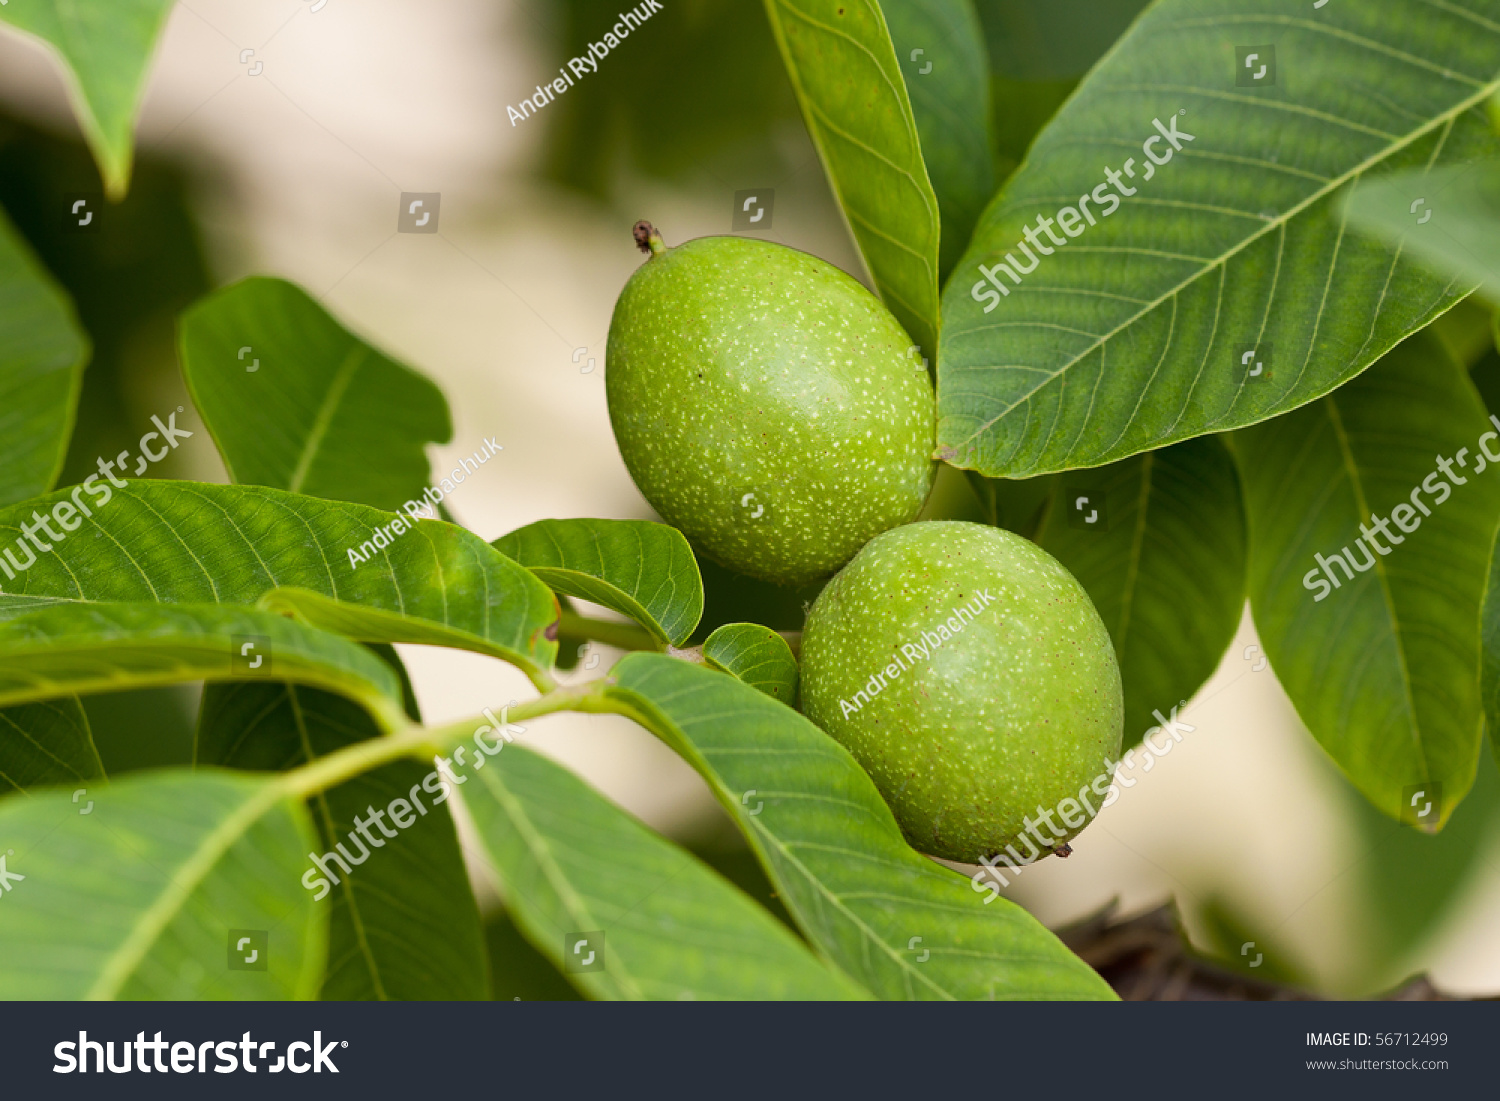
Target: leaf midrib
point(151, 922)
point(541, 852)
point(1346, 455)
point(645, 712)
point(326, 411)
point(299, 715)
point(1279, 221)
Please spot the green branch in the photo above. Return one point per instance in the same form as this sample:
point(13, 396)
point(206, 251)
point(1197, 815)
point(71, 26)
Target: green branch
point(622, 636)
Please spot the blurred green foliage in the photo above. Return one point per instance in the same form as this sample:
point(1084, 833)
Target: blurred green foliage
point(128, 280)
point(636, 112)
point(1038, 51)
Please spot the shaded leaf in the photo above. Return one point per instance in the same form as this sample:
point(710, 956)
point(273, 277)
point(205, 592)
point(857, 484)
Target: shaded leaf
point(46, 744)
point(1384, 667)
point(42, 354)
point(940, 47)
point(517, 970)
point(756, 655)
point(107, 46)
point(838, 859)
point(573, 864)
point(1163, 559)
point(1133, 333)
point(165, 866)
point(843, 67)
point(638, 568)
point(191, 543)
point(297, 402)
point(403, 924)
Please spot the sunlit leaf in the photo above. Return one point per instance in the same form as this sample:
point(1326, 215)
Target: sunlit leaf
point(1379, 648)
point(69, 648)
point(841, 62)
point(900, 924)
point(940, 47)
point(654, 923)
point(758, 656)
point(190, 543)
point(297, 402)
point(638, 568)
point(106, 46)
point(1225, 286)
point(147, 895)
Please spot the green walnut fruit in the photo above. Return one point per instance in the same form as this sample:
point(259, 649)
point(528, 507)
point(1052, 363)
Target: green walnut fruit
point(767, 405)
point(969, 674)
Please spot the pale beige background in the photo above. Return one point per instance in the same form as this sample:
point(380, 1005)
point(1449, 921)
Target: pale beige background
point(301, 169)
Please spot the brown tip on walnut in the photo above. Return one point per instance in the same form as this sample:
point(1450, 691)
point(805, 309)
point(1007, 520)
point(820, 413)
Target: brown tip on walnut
point(647, 239)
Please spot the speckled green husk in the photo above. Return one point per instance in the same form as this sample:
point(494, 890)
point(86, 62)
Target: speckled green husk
point(765, 403)
point(1014, 712)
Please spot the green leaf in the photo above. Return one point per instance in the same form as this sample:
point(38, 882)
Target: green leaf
point(107, 46)
point(1449, 217)
point(139, 898)
point(1135, 334)
point(190, 543)
point(42, 354)
point(838, 859)
point(1164, 562)
point(403, 924)
point(756, 655)
point(47, 744)
point(81, 648)
point(574, 865)
point(638, 568)
point(297, 402)
point(940, 47)
point(843, 67)
point(1489, 668)
point(1384, 668)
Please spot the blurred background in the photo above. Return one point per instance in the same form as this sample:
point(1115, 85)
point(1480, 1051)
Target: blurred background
point(297, 170)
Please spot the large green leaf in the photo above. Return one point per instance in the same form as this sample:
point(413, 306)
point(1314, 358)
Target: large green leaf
point(1489, 668)
point(297, 402)
point(757, 655)
point(190, 543)
point(843, 67)
point(63, 649)
point(107, 45)
point(574, 866)
point(1384, 667)
point(1448, 217)
point(638, 568)
point(1145, 328)
point(46, 744)
point(146, 895)
point(1159, 542)
point(899, 923)
point(42, 353)
point(403, 924)
point(940, 46)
